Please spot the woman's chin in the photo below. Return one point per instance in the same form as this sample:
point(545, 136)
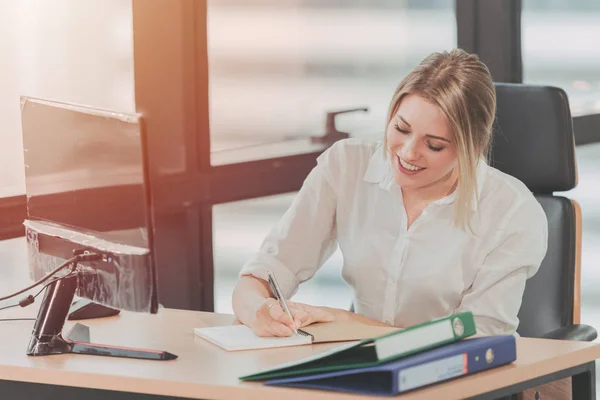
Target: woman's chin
point(408, 181)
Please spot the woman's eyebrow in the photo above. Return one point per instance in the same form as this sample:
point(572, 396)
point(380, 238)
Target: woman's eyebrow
point(431, 136)
point(403, 120)
point(438, 137)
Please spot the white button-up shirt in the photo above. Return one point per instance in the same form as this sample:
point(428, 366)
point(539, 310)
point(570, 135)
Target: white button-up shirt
point(405, 277)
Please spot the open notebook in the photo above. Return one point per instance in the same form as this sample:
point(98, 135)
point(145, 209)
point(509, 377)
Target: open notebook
point(240, 337)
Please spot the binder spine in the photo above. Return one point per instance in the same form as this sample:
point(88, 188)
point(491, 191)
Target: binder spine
point(463, 325)
point(433, 372)
point(427, 335)
point(455, 365)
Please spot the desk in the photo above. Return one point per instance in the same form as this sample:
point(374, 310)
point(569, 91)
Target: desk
point(204, 371)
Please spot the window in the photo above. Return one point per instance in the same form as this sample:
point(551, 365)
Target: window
point(65, 50)
point(560, 48)
point(240, 228)
point(277, 67)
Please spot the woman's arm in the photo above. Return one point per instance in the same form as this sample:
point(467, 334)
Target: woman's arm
point(253, 307)
point(293, 250)
point(496, 294)
point(249, 295)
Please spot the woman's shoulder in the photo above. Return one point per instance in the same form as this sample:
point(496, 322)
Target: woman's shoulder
point(354, 149)
point(351, 157)
point(504, 195)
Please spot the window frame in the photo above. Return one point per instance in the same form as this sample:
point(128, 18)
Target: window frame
point(183, 201)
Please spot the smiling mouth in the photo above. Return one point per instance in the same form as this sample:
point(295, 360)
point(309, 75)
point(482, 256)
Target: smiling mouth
point(408, 168)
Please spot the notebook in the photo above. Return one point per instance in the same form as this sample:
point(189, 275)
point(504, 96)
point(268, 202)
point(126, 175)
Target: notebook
point(240, 337)
point(377, 349)
point(433, 366)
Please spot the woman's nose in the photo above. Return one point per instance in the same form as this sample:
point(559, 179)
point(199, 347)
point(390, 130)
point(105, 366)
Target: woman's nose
point(410, 151)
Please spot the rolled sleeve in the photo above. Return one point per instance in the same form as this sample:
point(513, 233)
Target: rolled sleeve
point(304, 237)
point(497, 291)
point(258, 267)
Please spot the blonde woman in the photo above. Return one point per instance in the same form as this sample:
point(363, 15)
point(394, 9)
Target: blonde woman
point(426, 227)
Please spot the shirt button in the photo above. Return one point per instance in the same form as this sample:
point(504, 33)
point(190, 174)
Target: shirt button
point(271, 250)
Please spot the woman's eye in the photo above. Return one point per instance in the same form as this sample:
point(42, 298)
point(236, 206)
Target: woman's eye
point(401, 130)
point(435, 148)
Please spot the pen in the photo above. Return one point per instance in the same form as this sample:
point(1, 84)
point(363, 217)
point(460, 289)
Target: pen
point(279, 296)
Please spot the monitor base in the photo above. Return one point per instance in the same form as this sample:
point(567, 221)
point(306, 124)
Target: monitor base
point(47, 336)
point(87, 309)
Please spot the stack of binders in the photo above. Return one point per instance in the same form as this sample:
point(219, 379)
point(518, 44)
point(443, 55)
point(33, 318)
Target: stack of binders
point(398, 362)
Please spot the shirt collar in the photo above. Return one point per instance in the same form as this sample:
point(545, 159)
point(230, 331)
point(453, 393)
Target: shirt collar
point(379, 171)
point(480, 172)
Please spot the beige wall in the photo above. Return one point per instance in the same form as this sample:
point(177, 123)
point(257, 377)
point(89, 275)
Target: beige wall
point(66, 50)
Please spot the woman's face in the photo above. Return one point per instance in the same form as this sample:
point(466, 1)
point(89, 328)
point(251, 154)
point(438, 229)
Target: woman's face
point(420, 145)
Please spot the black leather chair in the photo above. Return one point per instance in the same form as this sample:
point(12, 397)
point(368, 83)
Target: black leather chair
point(534, 142)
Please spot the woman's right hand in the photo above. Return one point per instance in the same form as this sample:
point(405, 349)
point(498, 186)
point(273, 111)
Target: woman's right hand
point(271, 320)
point(264, 315)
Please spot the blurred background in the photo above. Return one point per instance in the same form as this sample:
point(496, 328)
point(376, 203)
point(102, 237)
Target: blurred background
point(275, 69)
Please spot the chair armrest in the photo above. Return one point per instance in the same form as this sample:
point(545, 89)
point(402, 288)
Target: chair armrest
point(582, 333)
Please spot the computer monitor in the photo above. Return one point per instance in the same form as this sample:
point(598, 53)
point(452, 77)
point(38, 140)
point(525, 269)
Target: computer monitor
point(87, 187)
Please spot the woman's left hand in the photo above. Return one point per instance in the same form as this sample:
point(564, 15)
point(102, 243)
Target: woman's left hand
point(305, 314)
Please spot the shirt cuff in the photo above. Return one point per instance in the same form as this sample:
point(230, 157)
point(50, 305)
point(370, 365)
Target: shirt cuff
point(491, 326)
point(287, 280)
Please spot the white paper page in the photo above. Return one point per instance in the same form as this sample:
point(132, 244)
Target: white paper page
point(240, 337)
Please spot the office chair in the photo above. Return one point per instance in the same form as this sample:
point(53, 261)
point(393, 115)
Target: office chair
point(534, 142)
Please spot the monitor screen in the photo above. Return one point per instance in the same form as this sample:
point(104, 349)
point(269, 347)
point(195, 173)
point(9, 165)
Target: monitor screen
point(87, 188)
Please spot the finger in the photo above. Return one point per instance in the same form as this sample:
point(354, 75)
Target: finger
point(302, 313)
point(268, 327)
point(297, 312)
point(279, 329)
point(302, 319)
point(316, 314)
point(277, 313)
point(295, 308)
point(261, 327)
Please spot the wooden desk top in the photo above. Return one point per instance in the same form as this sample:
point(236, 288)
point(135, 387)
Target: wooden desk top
point(206, 371)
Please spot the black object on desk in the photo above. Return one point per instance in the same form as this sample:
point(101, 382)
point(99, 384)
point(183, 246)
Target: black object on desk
point(87, 309)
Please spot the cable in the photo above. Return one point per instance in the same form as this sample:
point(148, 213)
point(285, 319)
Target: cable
point(30, 299)
point(24, 302)
point(39, 282)
point(17, 319)
point(11, 306)
point(74, 260)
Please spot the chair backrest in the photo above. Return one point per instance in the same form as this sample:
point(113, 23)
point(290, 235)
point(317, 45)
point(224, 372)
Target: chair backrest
point(534, 142)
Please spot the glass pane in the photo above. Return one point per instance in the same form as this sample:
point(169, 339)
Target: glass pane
point(64, 50)
point(560, 48)
point(240, 228)
point(278, 66)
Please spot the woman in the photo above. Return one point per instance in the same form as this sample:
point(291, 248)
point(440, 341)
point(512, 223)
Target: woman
point(425, 226)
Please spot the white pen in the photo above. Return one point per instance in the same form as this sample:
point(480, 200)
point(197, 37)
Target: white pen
point(279, 296)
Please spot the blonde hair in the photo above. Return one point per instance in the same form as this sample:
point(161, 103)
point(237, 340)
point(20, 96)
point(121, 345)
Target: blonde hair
point(462, 87)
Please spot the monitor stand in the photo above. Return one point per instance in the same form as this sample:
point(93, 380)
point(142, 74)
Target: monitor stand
point(87, 309)
point(47, 339)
